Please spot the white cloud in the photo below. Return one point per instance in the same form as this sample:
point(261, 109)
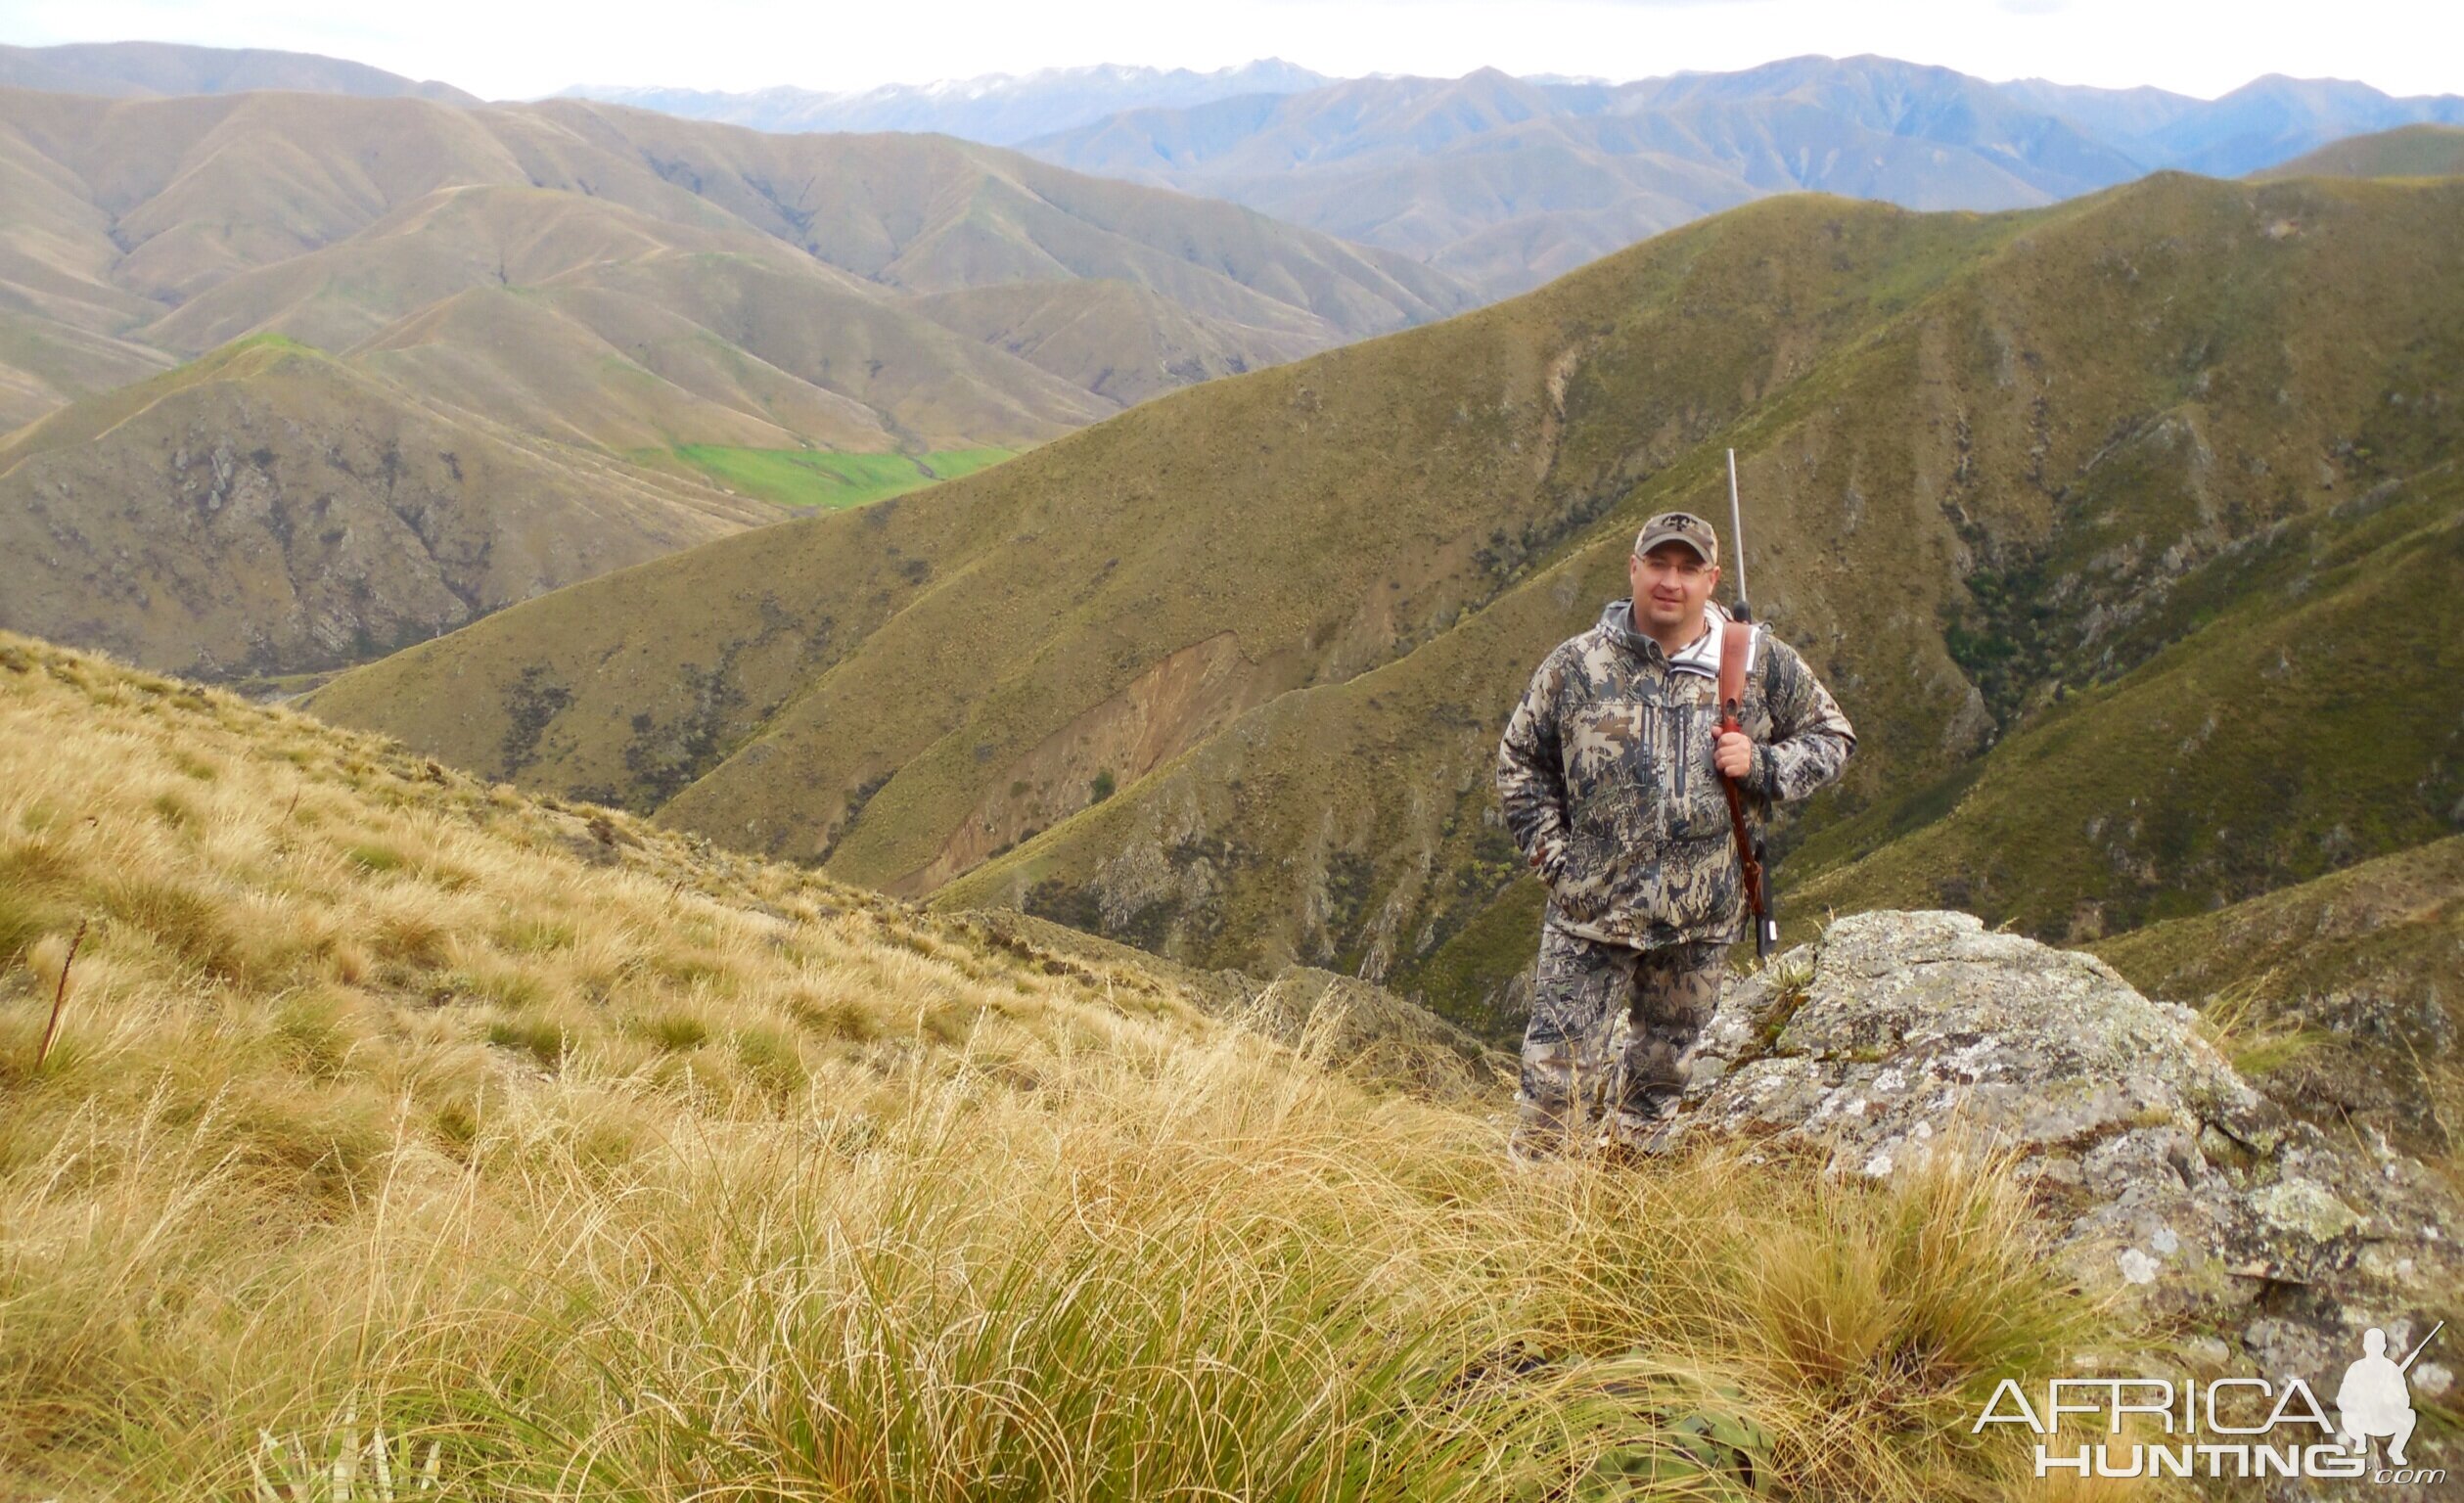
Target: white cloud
point(512, 49)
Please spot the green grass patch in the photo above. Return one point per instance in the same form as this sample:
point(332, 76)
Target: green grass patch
point(817, 480)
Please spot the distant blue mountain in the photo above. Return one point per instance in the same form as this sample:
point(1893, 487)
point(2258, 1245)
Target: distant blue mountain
point(998, 108)
point(1511, 181)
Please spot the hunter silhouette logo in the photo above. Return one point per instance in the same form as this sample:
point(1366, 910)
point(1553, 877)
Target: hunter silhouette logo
point(2375, 1400)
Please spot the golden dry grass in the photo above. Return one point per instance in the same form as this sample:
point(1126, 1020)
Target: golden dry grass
point(610, 1166)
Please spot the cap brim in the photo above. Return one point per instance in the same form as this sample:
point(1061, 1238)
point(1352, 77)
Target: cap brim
point(1654, 540)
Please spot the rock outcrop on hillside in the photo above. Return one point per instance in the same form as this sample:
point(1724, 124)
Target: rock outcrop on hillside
point(2269, 1241)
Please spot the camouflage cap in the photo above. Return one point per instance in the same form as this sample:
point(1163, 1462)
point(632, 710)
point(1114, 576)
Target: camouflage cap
point(1679, 528)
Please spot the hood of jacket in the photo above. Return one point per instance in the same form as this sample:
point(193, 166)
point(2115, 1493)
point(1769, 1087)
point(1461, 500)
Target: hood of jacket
point(1616, 624)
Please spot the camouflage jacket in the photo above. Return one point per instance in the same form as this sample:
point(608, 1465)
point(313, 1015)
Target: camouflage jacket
point(1605, 778)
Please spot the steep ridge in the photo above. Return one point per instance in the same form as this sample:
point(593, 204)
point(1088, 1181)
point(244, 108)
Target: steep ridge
point(1992, 462)
point(270, 510)
point(129, 69)
point(2297, 719)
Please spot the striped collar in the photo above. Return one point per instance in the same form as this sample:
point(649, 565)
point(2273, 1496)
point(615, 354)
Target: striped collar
point(1702, 655)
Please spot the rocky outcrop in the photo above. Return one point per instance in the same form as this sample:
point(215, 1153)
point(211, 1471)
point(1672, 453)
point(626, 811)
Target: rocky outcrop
point(2271, 1243)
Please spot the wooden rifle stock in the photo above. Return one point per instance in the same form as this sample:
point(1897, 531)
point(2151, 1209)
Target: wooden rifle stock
point(1736, 642)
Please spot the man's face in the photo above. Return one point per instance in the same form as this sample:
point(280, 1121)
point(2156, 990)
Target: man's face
point(1671, 584)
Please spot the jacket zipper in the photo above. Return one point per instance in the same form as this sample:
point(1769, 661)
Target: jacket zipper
point(1680, 750)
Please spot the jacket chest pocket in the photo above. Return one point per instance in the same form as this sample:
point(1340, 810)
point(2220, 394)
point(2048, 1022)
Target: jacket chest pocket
point(1696, 800)
point(1615, 766)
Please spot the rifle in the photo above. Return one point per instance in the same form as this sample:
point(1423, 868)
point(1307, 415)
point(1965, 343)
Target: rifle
point(1736, 642)
point(2405, 1366)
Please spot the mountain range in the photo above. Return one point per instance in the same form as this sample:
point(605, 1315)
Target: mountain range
point(1505, 182)
point(2117, 525)
point(1510, 181)
point(656, 306)
point(997, 109)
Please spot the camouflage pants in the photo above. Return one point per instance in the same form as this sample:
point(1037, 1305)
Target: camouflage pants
point(1607, 1024)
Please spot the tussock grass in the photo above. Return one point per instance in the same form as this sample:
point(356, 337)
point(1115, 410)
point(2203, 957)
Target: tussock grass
point(610, 1167)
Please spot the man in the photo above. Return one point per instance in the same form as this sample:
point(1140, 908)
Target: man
point(2375, 1400)
point(1610, 777)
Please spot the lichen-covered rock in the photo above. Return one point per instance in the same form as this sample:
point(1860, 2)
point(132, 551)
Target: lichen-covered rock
point(2166, 1177)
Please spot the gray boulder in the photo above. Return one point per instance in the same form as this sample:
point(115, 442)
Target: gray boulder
point(2269, 1241)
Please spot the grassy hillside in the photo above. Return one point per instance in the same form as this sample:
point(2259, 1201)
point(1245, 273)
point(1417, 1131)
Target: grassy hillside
point(350, 1107)
point(2303, 718)
point(1992, 462)
point(2340, 991)
point(270, 510)
point(819, 478)
point(2408, 150)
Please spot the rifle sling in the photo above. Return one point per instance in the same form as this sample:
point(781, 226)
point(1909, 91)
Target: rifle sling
point(1735, 643)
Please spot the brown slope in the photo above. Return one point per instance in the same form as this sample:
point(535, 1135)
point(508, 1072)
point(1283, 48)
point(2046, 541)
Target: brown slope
point(1120, 341)
point(199, 189)
point(928, 386)
point(269, 510)
point(45, 363)
point(612, 373)
point(448, 240)
point(930, 214)
point(250, 179)
point(635, 331)
point(61, 314)
point(124, 70)
point(567, 283)
point(327, 219)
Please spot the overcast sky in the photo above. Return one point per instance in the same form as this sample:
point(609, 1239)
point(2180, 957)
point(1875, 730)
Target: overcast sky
point(510, 49)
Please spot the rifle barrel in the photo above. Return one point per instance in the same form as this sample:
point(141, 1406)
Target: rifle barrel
point(1737, 532)
point(2406, 1365)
